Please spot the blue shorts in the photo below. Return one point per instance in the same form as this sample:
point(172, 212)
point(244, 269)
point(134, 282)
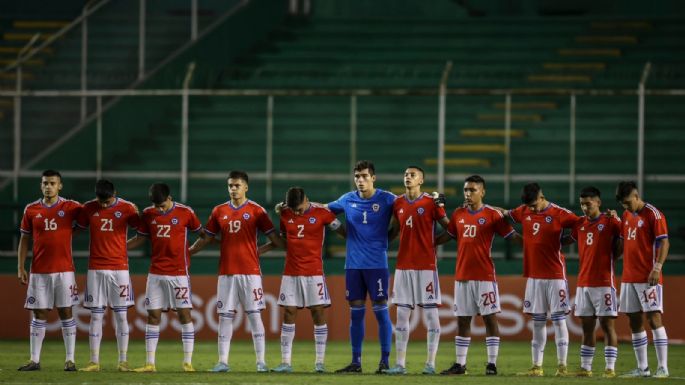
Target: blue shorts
point(358, 282)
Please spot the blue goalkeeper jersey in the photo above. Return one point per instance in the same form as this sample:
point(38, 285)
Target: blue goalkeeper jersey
point(367, 222)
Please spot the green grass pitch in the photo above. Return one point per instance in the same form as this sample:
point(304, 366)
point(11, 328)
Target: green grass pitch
point(514, 357)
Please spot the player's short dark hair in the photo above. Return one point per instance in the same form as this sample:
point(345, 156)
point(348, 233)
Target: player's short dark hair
point(365, 164)
point(51, 172)
point(418, 168)
point(530, 193)
point(237, 174)
point(624, 189)
point(159, 192)
point(294, 197)
point(475, 179)
point(104, 189)
point(590, 192)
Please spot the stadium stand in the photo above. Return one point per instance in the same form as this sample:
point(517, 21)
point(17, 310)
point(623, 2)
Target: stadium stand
point(311, 134)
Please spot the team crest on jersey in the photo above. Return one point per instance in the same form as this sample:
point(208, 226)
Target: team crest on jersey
point(375, 207)
point(282, 297)
point(481, 221)
point(420, 211)
point(640, 223)
point(312, 220)
point(219, 305)
point(117, 214)
point(246, 216)
point(600, 227)
point(31, 300)
point(61, 213)
point(174, 221)
point(147, 301)
point(548, 219)
point(526, 304)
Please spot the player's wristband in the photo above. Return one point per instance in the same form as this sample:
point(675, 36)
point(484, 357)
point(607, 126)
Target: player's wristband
point(657, 266)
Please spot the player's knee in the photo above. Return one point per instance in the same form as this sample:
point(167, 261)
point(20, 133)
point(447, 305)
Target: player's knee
point(184, 316)
point(64, 312)
point(654, 319)
point(40, 314)
point(289, 314)
point(464, 325)
point(153, 318)
point(491, 325)
point(318, 315)
point(635, 320)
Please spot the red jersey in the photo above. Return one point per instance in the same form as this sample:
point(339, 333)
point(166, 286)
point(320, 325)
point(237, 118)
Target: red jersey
point(108, 231)
point(238, 227)
point(305, 235)
point(475, 231)
point(417, 231)
point(542, 256)
point(51, 228)
point(168, 232)
point(595, 240)
point(641, 234)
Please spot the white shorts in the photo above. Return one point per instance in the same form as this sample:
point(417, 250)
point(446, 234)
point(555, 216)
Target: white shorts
point(237, 289)
point(546, 295)
point(46, 291)
point(476, 298)
point(640, 297)
point(596, 301)
point(416, 287)
point(168, 292)
point(108, 288)
point(304, 291)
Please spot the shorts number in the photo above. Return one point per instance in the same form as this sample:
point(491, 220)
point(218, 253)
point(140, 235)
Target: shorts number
point(409, 222)
point(320, 286)
point(50, 224)
point(489, 298)
point(380, 285)
point(106, 225)
point(364, 221)
point(233, 226)
point(74, 290)
point(181, 292)
point(632, 233)
point(536, 228)
point(123, 291)
point(163, 231)
point(469, 231)
point(562, 295)
point(430, 289)
point(649, 295)
point(607, 299)
point(258, 294)
point(300, 231)
point(588, 240)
